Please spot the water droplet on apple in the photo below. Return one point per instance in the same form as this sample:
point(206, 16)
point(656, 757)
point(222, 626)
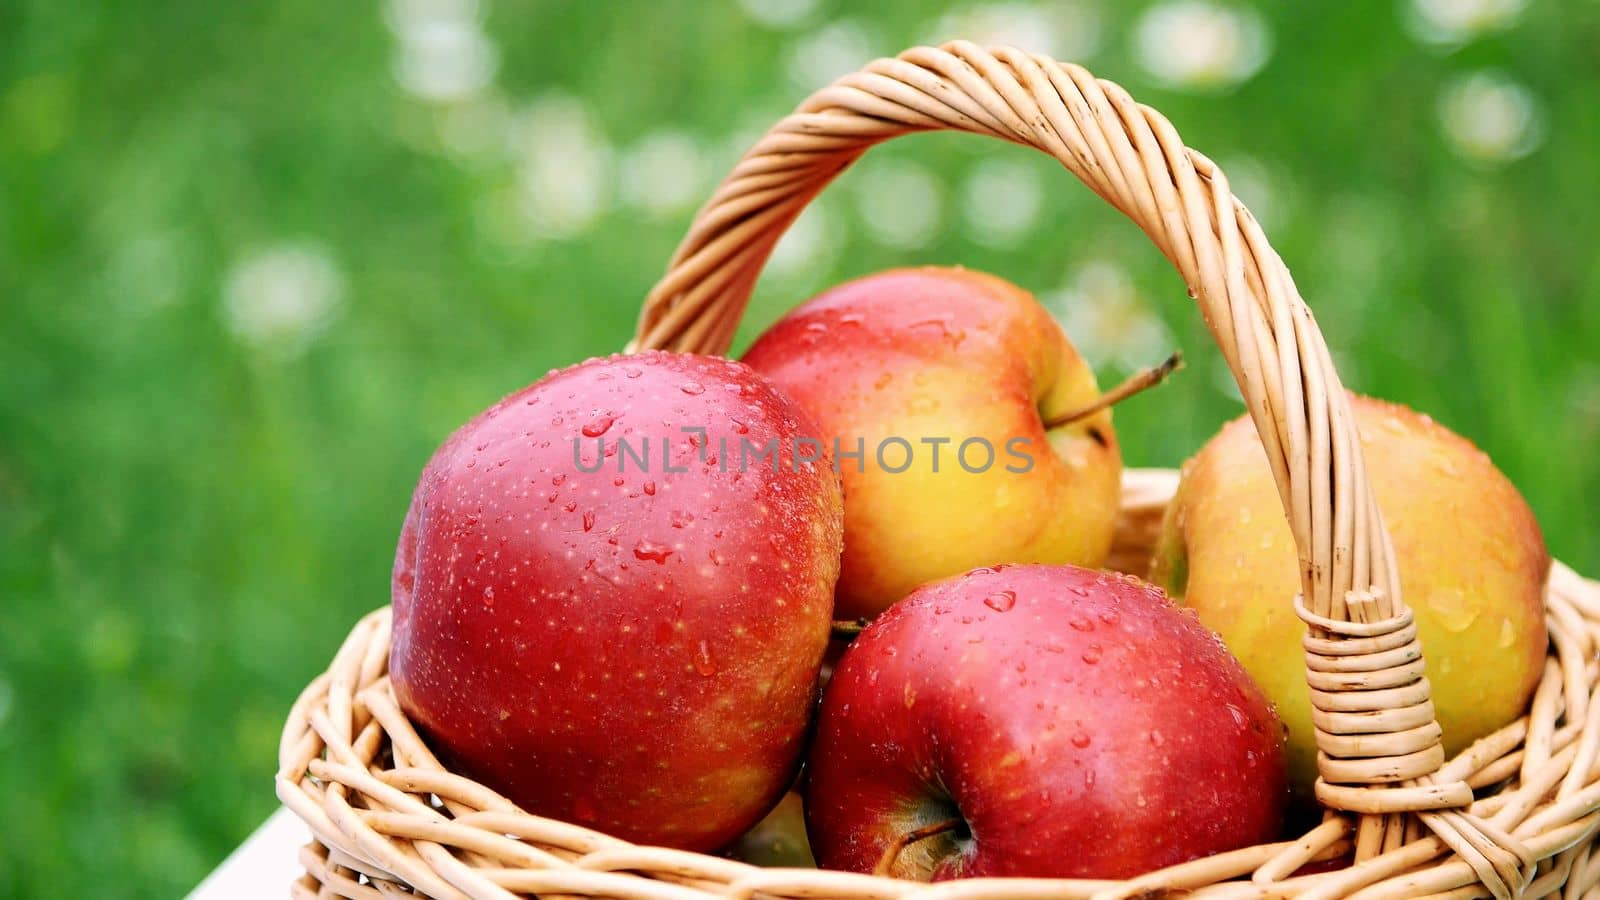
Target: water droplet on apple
point(633, 373)
point(1157, 739)
point(558, 478)
point(1508, 634)
point(472, 462)
point(1080, 739)
point(850, 319)
point(740, 427)
point(1080, 623)
point(650, 488)
point(570, 506)
point(681, 518)
point(650, 550)
point(1240, 720)
point(703, 662)
point(1110, 616)
point(598, 425)
point(1454, 610)
point(1079, 591)
point(1001, 601)
point(488, 596)
point(693, 388)
point(715, 557)
point(1091, 654)
point(588, 520)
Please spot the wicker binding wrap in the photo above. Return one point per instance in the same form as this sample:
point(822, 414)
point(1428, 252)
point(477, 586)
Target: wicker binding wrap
point(1515, 814)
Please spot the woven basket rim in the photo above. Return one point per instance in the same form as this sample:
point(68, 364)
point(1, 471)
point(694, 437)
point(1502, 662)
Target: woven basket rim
point(372, 816)
point(1514, 813)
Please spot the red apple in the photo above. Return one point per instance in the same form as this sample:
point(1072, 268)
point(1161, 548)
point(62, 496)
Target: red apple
point(1066, 723)
point(624, 638)
point(948, 383)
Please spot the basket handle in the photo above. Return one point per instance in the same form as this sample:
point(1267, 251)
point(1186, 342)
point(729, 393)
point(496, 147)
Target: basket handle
point(1132, 157)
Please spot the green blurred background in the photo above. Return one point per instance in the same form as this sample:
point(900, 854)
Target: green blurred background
point(257, 260)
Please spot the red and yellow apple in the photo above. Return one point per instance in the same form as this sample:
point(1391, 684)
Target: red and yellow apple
point(1054, 720)
point(942, 381)
point(1472, 564)
point(597, 616)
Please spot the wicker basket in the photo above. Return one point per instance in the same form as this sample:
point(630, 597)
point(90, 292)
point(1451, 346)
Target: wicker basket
point(1514, 814)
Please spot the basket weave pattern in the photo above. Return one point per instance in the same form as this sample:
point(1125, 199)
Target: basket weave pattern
point(1515, 814)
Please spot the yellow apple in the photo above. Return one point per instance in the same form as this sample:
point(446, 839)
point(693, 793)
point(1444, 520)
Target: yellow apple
point(943, 380)
point(1472, 560)
point(779, 840)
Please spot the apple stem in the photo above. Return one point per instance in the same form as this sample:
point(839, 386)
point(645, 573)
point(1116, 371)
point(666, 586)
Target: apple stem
point(899, 844)
point(1138, 382)
point(849, 628)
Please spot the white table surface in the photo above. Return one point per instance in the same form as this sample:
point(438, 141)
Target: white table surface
point(263, 866)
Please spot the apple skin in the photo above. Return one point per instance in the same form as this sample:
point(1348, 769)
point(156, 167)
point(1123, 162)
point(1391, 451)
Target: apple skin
point(1079, 724)
point(1472, 564)
point(947, 353)
point(634, 652)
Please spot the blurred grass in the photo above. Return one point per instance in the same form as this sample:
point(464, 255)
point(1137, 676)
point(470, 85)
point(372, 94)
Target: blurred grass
point(189, 521)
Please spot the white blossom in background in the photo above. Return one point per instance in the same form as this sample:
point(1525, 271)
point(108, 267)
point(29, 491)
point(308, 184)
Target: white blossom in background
point(836, 49)
point(443, 55)
point(280, 298)
point(564, 166)
point(1001, 201)
point(1107, 320)
point(1197, 44)
point(474, 129)
point(778, 13)
point(1066, 30)
point(1490, 119)
point(663, 174)
point(900, 203)
point(809, 246)
point(1451, 23)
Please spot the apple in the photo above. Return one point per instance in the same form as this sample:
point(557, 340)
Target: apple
point(941, 381)
point(1052, 721)
point(779, 840)
point(1472, 566)
point(597, 616)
